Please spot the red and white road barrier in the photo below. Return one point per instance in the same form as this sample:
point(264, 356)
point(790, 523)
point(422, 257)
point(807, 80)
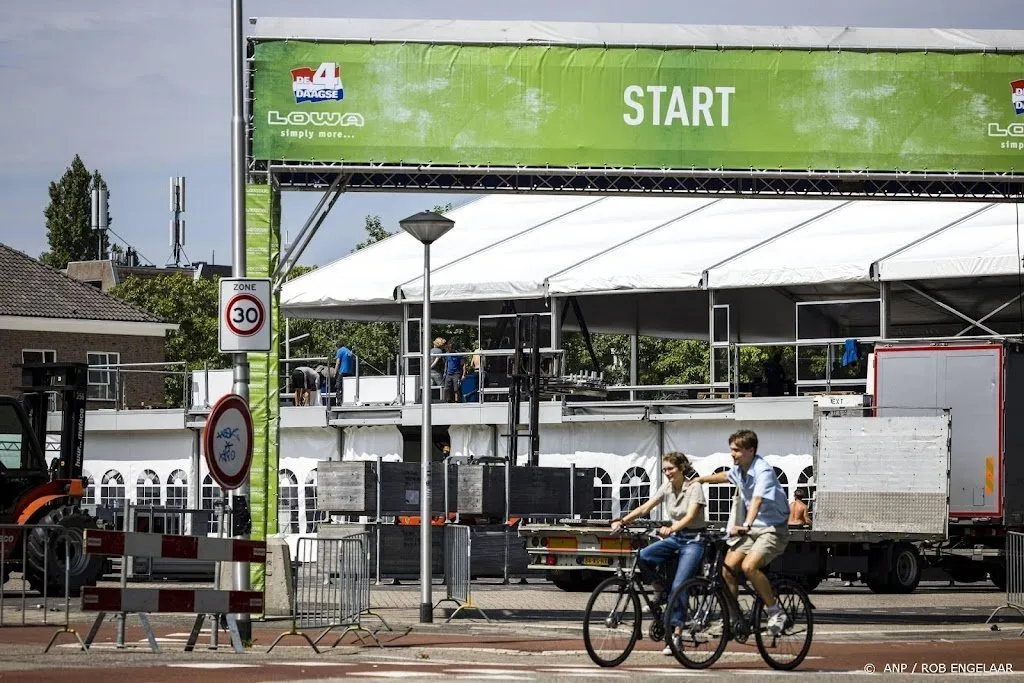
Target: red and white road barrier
point(168, 600)
point(98, 542)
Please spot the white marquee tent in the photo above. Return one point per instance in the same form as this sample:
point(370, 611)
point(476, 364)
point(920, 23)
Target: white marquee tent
point(647, 264)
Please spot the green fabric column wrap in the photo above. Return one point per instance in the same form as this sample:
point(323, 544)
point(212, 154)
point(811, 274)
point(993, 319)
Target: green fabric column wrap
point(262, 251)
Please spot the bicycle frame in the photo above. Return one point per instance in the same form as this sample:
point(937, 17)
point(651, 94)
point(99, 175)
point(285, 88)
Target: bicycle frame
point(741, 623)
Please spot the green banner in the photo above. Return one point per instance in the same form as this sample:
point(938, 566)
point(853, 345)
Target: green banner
point(638, 107)
point(262, 251)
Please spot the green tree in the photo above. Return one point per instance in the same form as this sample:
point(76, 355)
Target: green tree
point(192, 305)
point(375, 232)
point(68, 214)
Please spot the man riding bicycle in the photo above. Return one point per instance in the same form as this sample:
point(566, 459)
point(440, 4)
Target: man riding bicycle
point(684, 505)
point(764, 534)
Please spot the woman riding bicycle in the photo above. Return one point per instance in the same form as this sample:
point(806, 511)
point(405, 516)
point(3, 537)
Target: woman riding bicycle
point(684, 504)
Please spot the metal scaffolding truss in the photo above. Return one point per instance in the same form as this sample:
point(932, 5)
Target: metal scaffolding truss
point(988, 187)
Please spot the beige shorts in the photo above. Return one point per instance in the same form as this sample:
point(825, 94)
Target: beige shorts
point(768, 541)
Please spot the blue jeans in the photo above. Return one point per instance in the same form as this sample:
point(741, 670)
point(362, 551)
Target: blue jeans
point(686, 546)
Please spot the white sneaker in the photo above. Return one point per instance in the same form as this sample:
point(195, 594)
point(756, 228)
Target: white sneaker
point(777, 623)
point(667, 651)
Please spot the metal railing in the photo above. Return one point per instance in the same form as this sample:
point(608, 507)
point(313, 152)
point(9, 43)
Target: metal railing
point(458, 574)
point(1014, 576)
point(330, 588)
point(118, 385)
point(206, 522)
point(46, 540)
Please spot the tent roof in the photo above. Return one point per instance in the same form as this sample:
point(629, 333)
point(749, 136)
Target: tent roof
point(532, 246)
point(840, 247)
point(715, 232)
point(519, 267)
point(985, 244)
point(632, 35)
point(371, 275)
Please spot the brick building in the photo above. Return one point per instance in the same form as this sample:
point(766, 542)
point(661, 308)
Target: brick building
point(46, 315)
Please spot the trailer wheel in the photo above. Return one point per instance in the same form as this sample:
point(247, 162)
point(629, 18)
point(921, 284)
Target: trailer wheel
point(571, 581)
point(905, 570)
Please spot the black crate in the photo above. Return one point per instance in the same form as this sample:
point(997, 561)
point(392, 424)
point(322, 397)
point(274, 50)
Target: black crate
point(351, 488)
point(534, 491)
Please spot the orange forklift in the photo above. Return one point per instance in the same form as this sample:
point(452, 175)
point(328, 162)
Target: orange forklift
point(34, 493)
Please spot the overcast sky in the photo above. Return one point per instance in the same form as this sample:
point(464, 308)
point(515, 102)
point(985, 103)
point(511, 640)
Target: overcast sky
point(141, 89)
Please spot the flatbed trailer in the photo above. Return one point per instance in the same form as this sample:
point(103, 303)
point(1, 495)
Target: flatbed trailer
point(882, 509)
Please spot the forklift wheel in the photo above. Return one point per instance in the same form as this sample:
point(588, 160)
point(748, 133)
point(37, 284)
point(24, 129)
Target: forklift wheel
point(52, 552)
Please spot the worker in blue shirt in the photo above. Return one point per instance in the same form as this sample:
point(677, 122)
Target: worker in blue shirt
point(452, 375)
point(344, 366)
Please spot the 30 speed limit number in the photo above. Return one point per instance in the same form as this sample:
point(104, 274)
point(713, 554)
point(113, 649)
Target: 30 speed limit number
point(244, 314)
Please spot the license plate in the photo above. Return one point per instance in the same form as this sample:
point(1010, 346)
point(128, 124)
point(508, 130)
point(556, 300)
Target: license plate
point(596, 561)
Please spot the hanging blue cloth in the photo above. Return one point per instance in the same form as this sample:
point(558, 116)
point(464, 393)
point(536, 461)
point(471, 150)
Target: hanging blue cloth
point(849, 352)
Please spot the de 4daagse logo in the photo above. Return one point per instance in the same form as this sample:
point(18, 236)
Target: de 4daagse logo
point(322, 84)
point(1017, 96)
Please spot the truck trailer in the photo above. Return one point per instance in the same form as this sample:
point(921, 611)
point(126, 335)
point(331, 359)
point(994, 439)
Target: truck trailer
point(922, 476)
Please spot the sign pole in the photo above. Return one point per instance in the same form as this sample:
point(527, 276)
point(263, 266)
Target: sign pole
point(241, 364)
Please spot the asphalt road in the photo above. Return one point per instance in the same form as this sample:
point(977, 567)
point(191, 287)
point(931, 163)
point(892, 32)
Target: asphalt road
point(535, 635)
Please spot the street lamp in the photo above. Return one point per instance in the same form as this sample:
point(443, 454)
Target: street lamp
point(427, 227)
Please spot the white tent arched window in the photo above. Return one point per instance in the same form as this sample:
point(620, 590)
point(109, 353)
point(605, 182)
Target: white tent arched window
point(288, 499)
point(719, 500)
point(634, 489)
point(112, 490)
point(177, 489)
point(147, 489)
point(602, 494)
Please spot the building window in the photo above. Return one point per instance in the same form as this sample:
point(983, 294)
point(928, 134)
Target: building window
point(212, 495)
point(288, 499)
point(177, 489)
point(783, 480)
point(102, 382)
point(719, 499)
point(90, 490)
point(112, 490)
point(634, 489)
point(806, 482)
point(147, 489)
point(602, 494)
point(313, 516)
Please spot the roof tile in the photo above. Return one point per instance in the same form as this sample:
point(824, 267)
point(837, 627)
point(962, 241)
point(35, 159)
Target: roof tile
point(30, 289)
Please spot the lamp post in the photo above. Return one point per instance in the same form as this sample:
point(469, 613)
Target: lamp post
point(427, 227)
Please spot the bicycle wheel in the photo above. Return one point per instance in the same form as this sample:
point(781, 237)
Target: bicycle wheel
point(697, 623)
point(611, 622)
point(787, 649)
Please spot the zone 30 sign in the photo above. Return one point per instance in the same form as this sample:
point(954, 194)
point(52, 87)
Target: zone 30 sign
point(244, 314)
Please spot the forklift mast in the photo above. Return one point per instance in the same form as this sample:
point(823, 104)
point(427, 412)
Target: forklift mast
point(71, 381)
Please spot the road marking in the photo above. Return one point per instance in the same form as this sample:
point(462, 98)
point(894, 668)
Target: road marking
point(663, 670)
point(396, 674)
point(581, 673)
point(493, 677)
point(486, 672)
point(310, 663)
point(212, 665)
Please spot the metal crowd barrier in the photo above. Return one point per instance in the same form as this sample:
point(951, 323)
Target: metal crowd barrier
point(331, 589)
point(1014, 576)
point(203, 522)
point(14, 591)
point(458, 570)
